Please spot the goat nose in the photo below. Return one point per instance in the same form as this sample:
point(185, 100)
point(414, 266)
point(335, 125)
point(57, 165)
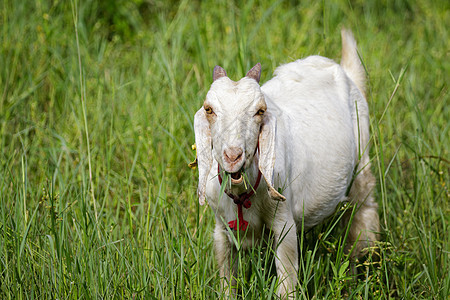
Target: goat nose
point(233, 154)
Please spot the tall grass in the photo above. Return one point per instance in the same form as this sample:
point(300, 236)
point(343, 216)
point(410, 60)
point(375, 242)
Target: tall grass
point(96, 107)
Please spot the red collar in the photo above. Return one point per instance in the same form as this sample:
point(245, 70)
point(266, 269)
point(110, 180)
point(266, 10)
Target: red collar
point(241, 200)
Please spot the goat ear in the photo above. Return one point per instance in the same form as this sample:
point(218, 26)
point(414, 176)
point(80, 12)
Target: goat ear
point(204, 154)
point(255, 72)
point(267, 153)
point(218, 72)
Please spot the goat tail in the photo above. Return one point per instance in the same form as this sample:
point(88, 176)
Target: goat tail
point(350, 61)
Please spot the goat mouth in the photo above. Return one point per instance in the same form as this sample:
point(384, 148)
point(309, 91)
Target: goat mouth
point(236, 177)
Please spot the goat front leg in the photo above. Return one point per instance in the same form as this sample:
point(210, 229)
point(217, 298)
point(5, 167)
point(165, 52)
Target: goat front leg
point(286, 260)
point(226, 259)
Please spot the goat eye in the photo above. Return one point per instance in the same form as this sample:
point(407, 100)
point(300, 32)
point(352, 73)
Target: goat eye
point(208, 110)
point(261, 112)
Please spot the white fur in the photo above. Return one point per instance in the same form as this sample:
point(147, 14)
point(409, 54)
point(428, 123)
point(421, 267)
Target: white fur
point(312, 137)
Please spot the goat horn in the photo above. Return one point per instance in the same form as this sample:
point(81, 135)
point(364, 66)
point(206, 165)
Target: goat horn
point(255, 72)
point(218, 73)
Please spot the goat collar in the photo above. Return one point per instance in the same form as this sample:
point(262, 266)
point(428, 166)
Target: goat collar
point(241, 200)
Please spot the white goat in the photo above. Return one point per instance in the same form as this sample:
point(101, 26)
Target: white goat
point(307, 132)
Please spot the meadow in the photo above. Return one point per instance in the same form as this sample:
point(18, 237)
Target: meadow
point(97, 100)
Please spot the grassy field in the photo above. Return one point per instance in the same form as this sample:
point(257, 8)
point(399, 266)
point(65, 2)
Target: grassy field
point(96, 108)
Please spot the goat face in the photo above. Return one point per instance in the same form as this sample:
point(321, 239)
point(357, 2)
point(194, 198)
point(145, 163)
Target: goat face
point(235, 111)
point(229, 126)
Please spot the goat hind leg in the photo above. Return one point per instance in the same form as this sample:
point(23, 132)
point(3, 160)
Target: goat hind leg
point(365, 224)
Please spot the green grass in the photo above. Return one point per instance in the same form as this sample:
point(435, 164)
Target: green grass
point(96, 199)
